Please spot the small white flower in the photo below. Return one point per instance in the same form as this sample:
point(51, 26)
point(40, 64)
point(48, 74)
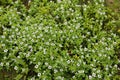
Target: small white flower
point(29, 46)
point(85, 49)
point(81, 71)
point(98, 71)
point(65, 23)
point(55, 70)
point(94, 69)
point(5, 50)
point(78, 64)
point(84, 9)
point(71, 30)
point(3, 45)
point(73, 77)
point(90, 77)
point(40, 47)
point(96, 3)
point(12, 36)
point(60, 45)
point(103, 38)
point(92, 65)
point(73, 37)
point(39, 63)
point(41, 35)
point(68, 61)
point(115, 66)
point(34, 36)
point(39, 74)
point(1, 64)
point(83, 36)
point(82, 56)
point(88, 33)
point(32, 40)
point(5, 57)
point(109, 39)
point(33, 78)
point(49, 39)
point(16, 68)
point(61, 70)
point(99, 54)
point(58, 1)
point(67, 39)
point(46, 64)
point(104, 55)
point(99, 76)
point(52, 57)
point(108, 57)
point(94, 60)
point(110, 74)
point(57, 17)
point(21, 43)
point(58, 77)
point(16, 29)
point(31, 62)
point(87, 55)
point(52, 44)
point(46, 30)
point(44, 51)
point(47, 43)
point(43, 39)
point(24, 54)
point(3, 36)
point(101, 0)
point(28, 54)
point(18, 56)
point(93, 74)
point(49, 67)
point(36, 66)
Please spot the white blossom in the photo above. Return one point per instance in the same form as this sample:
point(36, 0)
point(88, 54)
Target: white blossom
point(61, 70)
point(16, 68)
point(18, 56)
point(98, 71)
point(55, 70)
point(52, 57)
point(93, 74)
point(36, 66)
point(3, 45)
point(73, 77)
point(39, 74)
point(58, 1)
point(81, 71)
point(3, 36)
point(99, 76)
point(78, 64)
point(90, 77)
point(46, 64)
point(49, 67)
point(68, 61)
point(1, 64)
point(44, 51)
point(6, 50)
point(28, 54)
point(33, 78)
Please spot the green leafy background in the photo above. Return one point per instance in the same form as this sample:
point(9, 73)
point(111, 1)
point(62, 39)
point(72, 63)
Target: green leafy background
point(67, 40)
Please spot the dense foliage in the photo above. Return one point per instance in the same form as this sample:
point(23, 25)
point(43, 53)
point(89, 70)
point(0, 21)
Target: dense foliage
point(61, 40)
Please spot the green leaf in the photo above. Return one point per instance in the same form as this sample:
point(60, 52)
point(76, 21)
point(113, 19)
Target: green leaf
point(18, 77)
